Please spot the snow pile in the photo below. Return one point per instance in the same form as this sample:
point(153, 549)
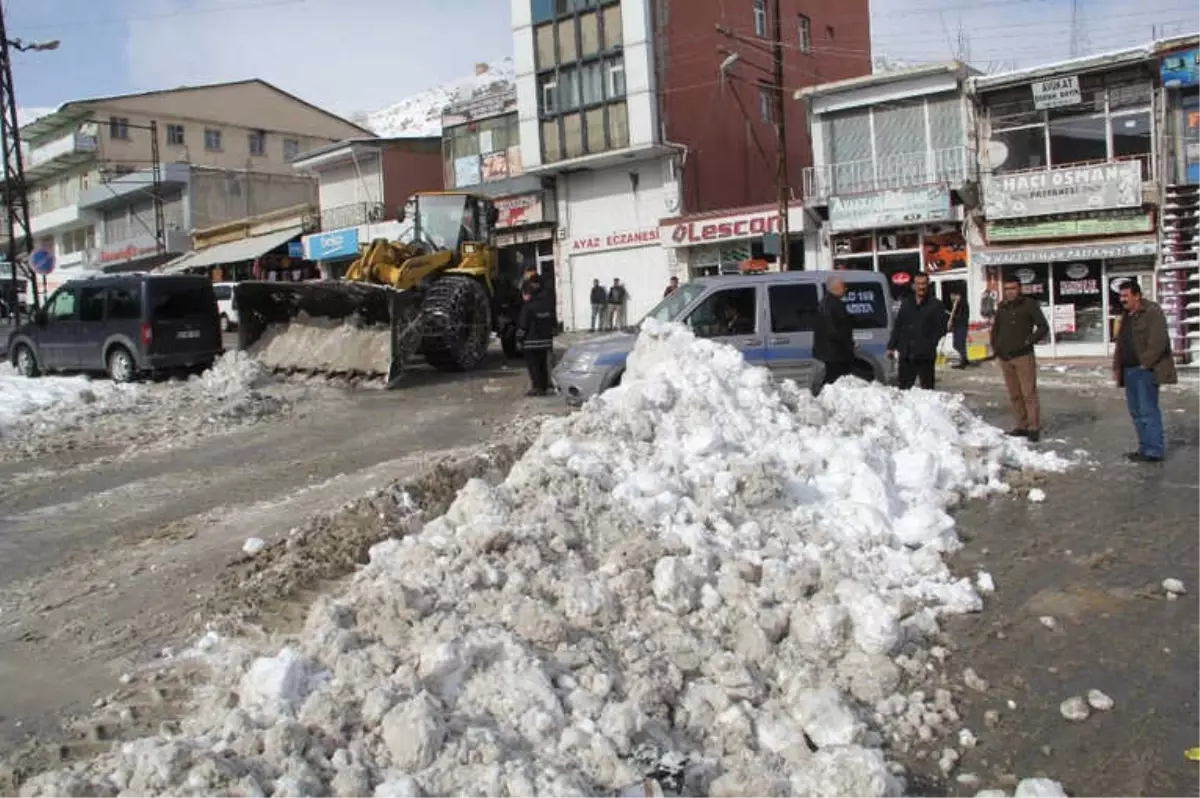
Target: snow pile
point(323, 344)
point(421, 114)
point(703, 577)
point(33, 401)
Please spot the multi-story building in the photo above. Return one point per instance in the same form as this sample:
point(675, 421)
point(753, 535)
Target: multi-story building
point(893, 167)
point(482, 154)
point(1070, 175)
point(625, 104)
point(363, 184)
point(81, 150)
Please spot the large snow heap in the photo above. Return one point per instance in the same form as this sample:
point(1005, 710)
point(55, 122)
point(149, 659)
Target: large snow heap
point(703, 575)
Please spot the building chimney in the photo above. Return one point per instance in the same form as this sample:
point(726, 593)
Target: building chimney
point(481, 68)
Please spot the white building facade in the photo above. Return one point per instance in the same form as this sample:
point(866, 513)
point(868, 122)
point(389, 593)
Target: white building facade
point(588, 116)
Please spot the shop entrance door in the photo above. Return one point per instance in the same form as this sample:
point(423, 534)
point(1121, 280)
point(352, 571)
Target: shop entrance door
point(944, 287)
point(1112, 306)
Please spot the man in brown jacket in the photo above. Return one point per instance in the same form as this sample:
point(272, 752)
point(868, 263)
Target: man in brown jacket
point(1017, 327)
point(1142, 362)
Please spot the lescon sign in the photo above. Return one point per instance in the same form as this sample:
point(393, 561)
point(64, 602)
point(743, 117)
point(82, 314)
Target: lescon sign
point(1063, 190)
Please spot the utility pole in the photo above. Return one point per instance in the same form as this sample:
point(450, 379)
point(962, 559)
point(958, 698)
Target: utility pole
point(16, 203)
point(160, 224)
point(781, 165)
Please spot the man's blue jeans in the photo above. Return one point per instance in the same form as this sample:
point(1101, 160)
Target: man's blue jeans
point(1141, 396)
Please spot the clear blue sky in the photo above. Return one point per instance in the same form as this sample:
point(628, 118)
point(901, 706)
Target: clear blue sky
point(352, 55)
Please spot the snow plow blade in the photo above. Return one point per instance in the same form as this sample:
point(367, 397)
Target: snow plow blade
point(332, 327)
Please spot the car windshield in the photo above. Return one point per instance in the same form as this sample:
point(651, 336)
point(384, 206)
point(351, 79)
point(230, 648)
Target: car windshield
point(671, 307)
point(440, 221)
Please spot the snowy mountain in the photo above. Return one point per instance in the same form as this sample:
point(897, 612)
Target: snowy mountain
point(421, 114)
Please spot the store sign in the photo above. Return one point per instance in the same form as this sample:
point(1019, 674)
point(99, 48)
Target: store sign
point(729, 228)
point(890, 208)
point(619, 240)
point(1063, 190)
point(1099, 250)
point(1056, 92)
point(138, 247)
point(1078, 280)
point(519, 210)
point(1063, 318)
point(331, 245)
point(1099, 224)
point(1178, 70)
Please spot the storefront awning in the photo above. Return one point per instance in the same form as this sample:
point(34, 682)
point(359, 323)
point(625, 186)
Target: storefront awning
point(232, 251)
point(1089, 250)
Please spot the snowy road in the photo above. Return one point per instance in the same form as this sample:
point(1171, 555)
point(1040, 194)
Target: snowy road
point(107, 555)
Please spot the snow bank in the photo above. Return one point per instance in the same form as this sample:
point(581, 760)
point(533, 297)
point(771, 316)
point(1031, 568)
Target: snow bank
point(22, 398)
point(703, 576)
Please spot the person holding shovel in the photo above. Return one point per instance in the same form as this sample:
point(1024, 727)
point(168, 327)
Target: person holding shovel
point(960, 319)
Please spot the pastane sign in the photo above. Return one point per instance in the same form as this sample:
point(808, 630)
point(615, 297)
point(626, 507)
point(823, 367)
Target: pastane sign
point(1100, 224)
point(894, 208)
point(729, 228)
point(1067, 189)
point(1099, 250)
point(621, 239)
point(1057, 92)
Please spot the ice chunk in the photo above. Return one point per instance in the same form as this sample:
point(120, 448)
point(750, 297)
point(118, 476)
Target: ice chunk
point(1074, 709)
point(277, 685)
point(1173, 586)
point(253, 546)
point(1037, 495)
point(1099, 701)
point(1039, 788)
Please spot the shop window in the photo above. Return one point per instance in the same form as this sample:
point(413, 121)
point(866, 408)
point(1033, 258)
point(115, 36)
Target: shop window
point(724, 313)
point(896, 240)
point(589, 34)
point(1034, 280)
point(595, 130)
point(618, 125)
point(900, 271)
point(1078, 313)
point(572, 126)
point(1078, 140)
point(944, 252)
point(793, 307)
point(866, 304)
point(1019, 149)
point(853, 244)
point(1135, 93)
point(568, 52)
point(612, 26)
point(543, 36)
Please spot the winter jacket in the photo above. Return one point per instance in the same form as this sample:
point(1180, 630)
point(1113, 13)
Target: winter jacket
point(599, 295)
point(1017, 327)
point(1151, 343)
point(960, 316)
point(919, 328)
point(833, 338)
point(535, 322)
point(617, 295)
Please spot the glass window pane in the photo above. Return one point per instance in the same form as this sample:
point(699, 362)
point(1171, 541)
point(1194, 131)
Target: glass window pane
point(567, 51)
point(1078, 299)
point(548, 94)
point(1078, 140)
point(615, 77)
point(91, 304)
point(592, 83)
point(551, 147)
point(572, 135)
point(618, 125)
point(595, 130)
point(1131, 134)
point(900, 271)
point(1017, 150)
point(729, 312)
point(589, 34)
point(793, 307)
point(612, 26)
point(544, 45)
point(865, 300)
point(568, 90)
point(542, 10)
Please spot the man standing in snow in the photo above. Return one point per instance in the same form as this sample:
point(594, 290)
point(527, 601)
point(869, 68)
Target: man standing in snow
point(833, 338)
point(599, 300)
point(535, 328)
point(1142, 362)
point(1019, 325)
point(919, 328)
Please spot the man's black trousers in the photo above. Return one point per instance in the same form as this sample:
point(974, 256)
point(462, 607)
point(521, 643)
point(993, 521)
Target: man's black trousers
point(537, 361)
point(911, 371)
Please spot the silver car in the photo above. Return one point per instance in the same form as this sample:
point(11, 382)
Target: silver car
point(769, 317)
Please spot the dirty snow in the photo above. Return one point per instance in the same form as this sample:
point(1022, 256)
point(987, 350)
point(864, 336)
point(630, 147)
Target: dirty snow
point(1173, 586)
point(1099, 701)
point(701, 577)
point(1037, 495)
point(1074, 709)
point(322, 344)
point(22, 398)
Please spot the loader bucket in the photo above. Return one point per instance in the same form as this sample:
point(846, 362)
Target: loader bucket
point(331, 327)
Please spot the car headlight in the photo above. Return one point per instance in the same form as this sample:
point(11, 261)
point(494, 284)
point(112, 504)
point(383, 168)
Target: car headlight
point(579, 361)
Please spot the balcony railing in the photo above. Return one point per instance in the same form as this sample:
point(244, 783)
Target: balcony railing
point(952, 166)
point(353, 215)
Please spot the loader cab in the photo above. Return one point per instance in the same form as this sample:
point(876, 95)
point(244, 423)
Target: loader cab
point(450, 221)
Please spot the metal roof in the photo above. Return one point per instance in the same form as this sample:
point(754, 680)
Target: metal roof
point(884, 78)
point(66, 114)
point(1092, 63)
point(231, 251)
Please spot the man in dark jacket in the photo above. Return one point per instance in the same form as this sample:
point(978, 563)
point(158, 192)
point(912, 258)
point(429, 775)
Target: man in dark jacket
point(960, 319)
point(599, 300)
point(919, 328)
point(672, 287)
point(1017, 327)
point(1142, 362)
point(833, 338)
point(535, 328)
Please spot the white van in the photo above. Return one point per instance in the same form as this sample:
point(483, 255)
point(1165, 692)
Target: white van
point(226, 305)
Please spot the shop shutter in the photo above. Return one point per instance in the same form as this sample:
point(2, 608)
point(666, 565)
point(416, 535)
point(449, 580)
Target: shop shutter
point(850, 152)
point(900, 144)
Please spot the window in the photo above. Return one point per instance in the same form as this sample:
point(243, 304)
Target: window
point(1078, 314)
point(618, 125)
point(123, 303)
point(544, 46)
point(760, 18)
point(91, 304)
point(1078, 140)
point(212, 139)
point(62, 307)
point(596, 139)
point(730, 312)
point(1131, 137)
point(572, 130)
point(551, 145)
point(866, 304)
point(175, 135)
point(542, 10)
point(804, 40)
point(1020, 149)
point(766, 104)
point(591, 83)
point(829, 32)
point(568, 90)
point(548, 92)
point(589, 34)
point(257, 140)
point(291, 148)
point(614, 70)
point(611, 21)
point(118, 128)
point(223, 293)
point(900, 271)
point(793, 307)
point(175, 303)
point(567, 51)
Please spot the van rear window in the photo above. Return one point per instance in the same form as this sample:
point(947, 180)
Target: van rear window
point(866, 304)
point(183, 303)
point(223, 292)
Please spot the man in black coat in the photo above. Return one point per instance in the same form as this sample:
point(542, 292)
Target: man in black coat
point(535, 328)
point(960, 324)
point(833, 338)
point(919, 328)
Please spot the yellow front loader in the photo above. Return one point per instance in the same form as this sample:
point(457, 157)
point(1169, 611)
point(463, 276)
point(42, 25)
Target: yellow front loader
point(437, 292)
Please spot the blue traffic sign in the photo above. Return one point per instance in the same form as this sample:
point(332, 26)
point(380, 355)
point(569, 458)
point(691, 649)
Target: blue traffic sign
point(42, 261)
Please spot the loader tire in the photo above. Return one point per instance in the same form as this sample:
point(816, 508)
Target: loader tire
point(457, 329)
